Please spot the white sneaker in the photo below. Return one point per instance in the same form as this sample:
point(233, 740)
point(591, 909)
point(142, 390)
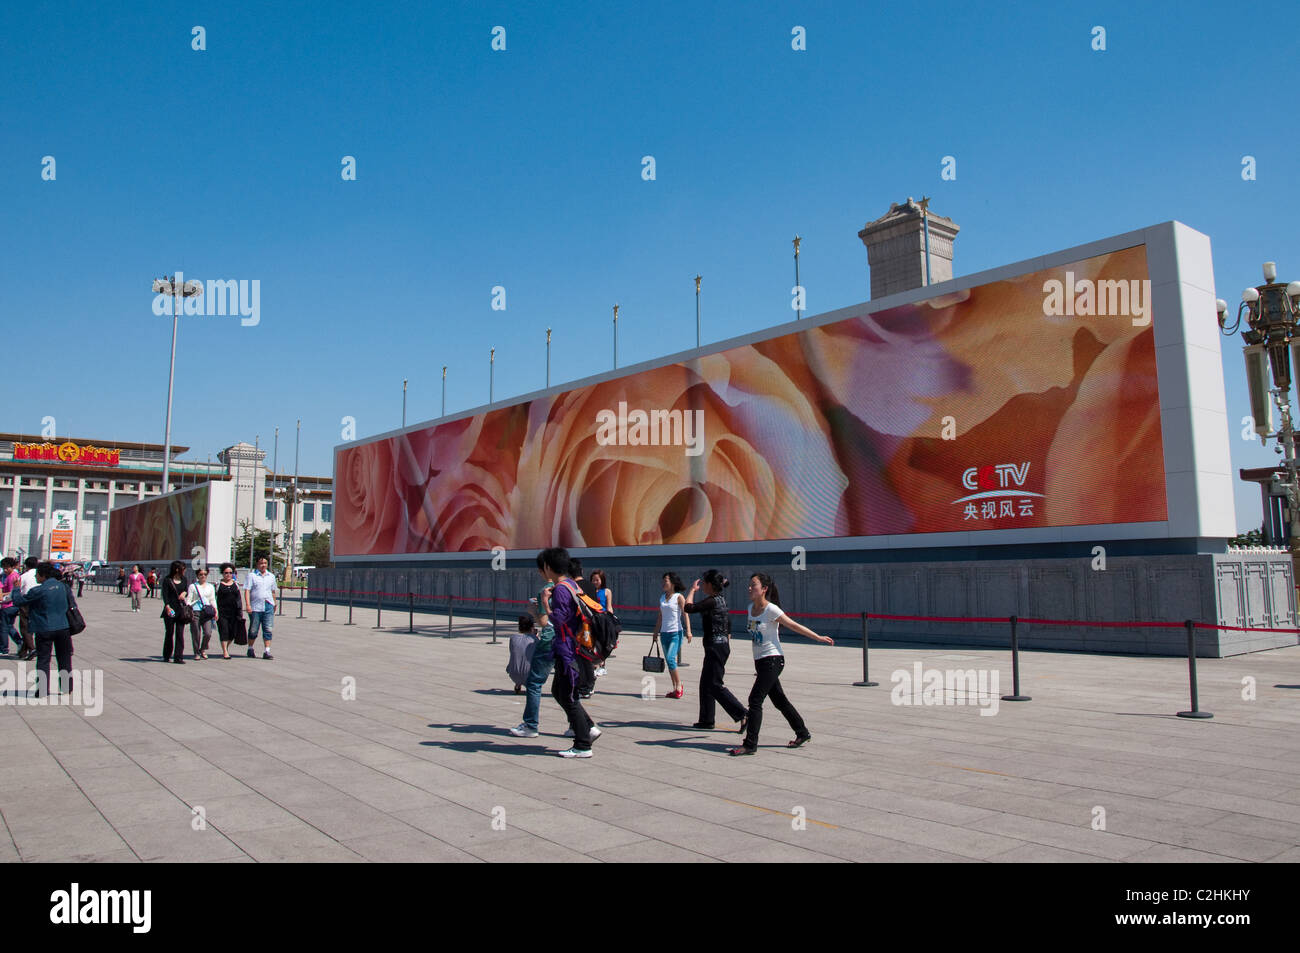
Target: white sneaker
point(523, 731)
point(574, 753)
point(600, 671)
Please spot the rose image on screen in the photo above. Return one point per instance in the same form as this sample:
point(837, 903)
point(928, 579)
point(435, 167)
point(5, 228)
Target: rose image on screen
point(972, 411)
point(161, 529)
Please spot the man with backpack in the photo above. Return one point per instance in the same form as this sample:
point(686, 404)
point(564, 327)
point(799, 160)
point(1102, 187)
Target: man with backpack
point(567, 619)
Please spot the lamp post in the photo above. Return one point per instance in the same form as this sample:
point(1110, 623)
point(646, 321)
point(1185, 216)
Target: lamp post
point(275, 505)
point(492, 372)
point(403, 403)
point(697, 310)
point(798, 311)
point(616, 337)
point(444, 390)
point(252, 505)
point(924, 206)
point(292, 495)
point(1272, 349)
point(177, 287)
point(548, 357)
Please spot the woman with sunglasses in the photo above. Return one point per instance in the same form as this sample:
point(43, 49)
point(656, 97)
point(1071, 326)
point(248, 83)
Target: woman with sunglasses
point(230, 608)
point(203, 604)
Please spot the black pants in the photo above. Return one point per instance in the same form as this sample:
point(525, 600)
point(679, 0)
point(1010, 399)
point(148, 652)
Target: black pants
point(767, 682)
point(58, 642)
point(586, 675)
point(711, 688)
point(579, 720)
point(173, 629)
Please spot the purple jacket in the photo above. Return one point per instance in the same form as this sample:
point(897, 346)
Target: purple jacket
point(564, 617)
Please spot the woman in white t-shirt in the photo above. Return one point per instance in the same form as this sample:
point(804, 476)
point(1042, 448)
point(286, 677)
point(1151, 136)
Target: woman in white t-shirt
point(203, 603)
point(765, 618)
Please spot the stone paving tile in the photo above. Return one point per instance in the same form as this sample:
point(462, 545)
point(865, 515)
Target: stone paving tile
point(407, 848)
point(461, 827)
point(1078, 837)
point(178, 841)
point(648, 851)
point(245, 812)
point(1168, 854)
point(296, 842)
point(530, 849)
point(583, 834)
point(774, 852)
point(288, 770)
point(1044, 854)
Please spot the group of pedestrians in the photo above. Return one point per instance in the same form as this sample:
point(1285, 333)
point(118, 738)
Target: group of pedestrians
point(204, 607)
point(556, 623)
point(39, 599)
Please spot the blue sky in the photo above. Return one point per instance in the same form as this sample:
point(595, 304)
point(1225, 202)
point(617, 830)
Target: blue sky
point(522, 169)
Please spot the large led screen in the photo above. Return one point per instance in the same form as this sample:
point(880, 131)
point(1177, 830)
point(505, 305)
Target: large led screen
point(1028, 402)
point(161, 529)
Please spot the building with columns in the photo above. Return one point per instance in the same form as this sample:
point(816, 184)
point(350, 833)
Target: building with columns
point(41, 476)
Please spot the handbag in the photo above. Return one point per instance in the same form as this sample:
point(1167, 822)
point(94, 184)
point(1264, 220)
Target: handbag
point(76, 624)
point(207, 612)
point(655, 662)
point(241, 630)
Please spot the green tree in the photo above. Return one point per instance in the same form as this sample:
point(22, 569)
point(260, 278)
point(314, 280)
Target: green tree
point(315, 550)
point(260, 541)
point(1254, 538)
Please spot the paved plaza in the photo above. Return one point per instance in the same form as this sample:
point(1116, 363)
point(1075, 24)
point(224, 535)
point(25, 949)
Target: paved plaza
point(275, 761)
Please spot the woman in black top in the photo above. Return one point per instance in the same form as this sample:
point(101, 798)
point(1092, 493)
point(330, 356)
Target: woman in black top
point(230, 608)
point(717, 648)
point(174, 604)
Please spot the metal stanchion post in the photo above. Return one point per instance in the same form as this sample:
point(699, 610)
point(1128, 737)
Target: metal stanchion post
point(1015, 667)
point(325, 596)
point(379, 609)
point(1191, 674)
point(450, 600)
point(410, 625)
point(349, 622)
point(300, 595)
point(494, 620)
point(866, 677)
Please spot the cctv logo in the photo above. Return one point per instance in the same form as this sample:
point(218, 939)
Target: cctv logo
point(996, 480)
point(983, 478)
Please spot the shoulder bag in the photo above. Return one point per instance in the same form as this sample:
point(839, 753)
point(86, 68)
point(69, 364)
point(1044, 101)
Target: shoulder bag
point(655, 662)
point(76, 624)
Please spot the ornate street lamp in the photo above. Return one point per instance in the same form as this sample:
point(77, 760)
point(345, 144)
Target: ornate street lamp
point(1272, 348)
point(176, 287)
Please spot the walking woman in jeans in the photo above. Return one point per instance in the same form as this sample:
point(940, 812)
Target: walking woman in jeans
point(135, 583)
point(717, 648)
point(670, 625)
point(543, 661)
point(765, 616)
point(174, 603)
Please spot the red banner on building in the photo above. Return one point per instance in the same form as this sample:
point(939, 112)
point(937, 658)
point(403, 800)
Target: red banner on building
point(68, 452)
